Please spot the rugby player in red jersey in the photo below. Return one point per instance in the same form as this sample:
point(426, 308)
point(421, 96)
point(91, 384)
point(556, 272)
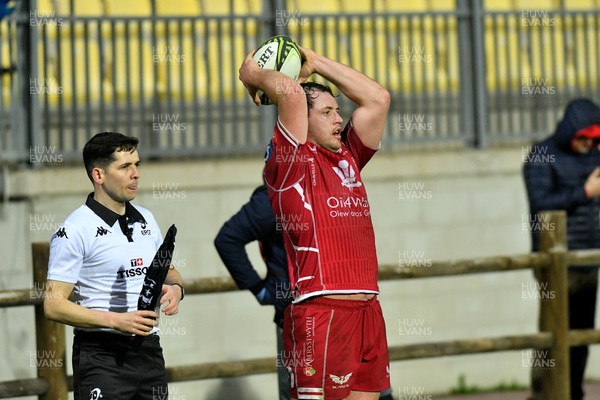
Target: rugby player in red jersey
point(334, 332)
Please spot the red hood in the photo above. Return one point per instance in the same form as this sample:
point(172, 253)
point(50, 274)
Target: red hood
point(592, 132)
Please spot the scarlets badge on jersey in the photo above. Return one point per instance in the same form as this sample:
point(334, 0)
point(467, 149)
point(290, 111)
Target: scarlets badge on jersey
point(157, 272)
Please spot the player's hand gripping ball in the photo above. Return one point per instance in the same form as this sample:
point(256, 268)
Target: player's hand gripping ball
point(279, 53)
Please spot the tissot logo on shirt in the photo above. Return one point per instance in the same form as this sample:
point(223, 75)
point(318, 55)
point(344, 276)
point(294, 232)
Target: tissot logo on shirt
point(132, 272)
point(100, 231)
point(136, 262)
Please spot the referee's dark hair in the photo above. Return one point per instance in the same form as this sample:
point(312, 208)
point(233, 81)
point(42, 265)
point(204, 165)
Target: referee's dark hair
point(99, 150)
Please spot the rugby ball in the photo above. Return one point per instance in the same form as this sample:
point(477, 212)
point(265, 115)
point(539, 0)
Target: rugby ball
point(279, 53)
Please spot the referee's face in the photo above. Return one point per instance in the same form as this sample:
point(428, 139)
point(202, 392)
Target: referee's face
point(120, 178)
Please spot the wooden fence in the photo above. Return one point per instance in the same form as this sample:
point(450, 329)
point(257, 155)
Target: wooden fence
point(552, 262)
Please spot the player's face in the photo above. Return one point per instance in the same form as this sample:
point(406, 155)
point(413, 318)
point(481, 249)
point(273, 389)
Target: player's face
point(120, 178)
point(325, 123)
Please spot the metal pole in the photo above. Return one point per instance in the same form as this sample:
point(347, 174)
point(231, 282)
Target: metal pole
point(480, 88)
point(27, 124)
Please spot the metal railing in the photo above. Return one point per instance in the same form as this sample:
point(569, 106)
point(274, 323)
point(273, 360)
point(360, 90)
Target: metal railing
point(543, 58)
point(552, 262)
point(464, 76)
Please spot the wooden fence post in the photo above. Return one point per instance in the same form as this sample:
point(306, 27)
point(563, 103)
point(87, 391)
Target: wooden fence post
point(554, 310)
point(50, 356)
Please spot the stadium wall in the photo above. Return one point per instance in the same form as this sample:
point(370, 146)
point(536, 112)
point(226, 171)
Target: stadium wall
point(426, 206)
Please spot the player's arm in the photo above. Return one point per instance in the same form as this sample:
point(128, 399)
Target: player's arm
point(284, 92)
point(373, 99)
point(253, 222)
point(58, 307)
point(172, 292)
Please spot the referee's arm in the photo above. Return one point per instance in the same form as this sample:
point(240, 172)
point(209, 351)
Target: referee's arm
point(58, 307)
point(172, 292)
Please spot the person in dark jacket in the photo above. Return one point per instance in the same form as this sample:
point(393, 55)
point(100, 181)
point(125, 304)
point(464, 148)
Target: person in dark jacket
point(563, 173)
point(255, 221)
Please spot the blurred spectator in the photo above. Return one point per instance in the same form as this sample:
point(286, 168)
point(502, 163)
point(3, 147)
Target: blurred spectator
point(563, 173)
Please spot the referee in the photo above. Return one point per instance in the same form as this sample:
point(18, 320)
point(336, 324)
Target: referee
point(99, 257)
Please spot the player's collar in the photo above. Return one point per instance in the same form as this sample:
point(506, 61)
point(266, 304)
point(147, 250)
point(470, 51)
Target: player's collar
point(132, 215)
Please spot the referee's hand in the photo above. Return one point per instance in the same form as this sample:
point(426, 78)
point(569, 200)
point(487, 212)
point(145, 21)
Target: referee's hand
point(136, 322)
point(171, 294)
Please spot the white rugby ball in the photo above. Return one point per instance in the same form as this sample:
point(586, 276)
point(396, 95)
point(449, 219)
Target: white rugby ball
point(279, 53)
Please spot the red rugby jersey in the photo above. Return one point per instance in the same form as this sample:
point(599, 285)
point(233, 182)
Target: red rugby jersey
point(321, 205)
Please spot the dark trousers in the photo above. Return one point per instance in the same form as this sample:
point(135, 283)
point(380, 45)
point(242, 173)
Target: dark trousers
point(117, 367)
point(582, 311)
point(583, 287)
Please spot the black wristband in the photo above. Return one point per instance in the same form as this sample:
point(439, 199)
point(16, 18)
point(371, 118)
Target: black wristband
point(182, 290)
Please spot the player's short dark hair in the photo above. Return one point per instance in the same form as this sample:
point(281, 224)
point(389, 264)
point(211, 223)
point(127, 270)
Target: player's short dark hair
point(99, 150)
point(310, 88)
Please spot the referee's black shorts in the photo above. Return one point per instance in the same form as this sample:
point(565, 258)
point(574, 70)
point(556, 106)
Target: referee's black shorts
point(110, 366)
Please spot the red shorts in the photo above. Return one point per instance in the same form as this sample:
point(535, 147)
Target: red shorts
point(335, 346)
